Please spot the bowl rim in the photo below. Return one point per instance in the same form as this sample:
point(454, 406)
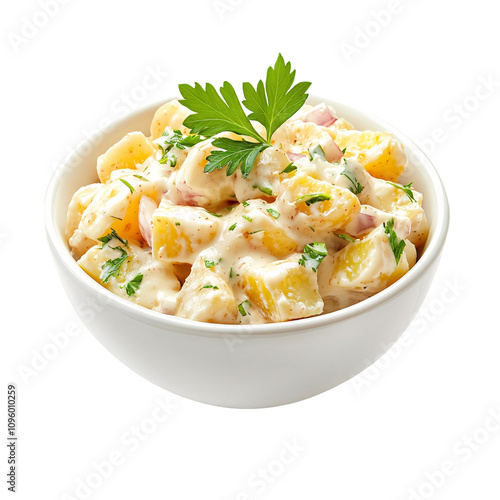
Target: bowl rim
point(181, 325)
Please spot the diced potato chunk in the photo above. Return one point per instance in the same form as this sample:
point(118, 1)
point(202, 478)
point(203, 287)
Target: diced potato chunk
point(171, 114)
point(331, 214)
point(396, 201)
point(282, 290)
point(132, 150)
point(263, 180)
point(298, 137)
point(369, 265)
point(181, 232)
point(116, 206)
point(206, 296)
point(379, 152)
point(79, 202)
point(259, 224)
point(192, 185)
point(79, 243)
point(158, 283)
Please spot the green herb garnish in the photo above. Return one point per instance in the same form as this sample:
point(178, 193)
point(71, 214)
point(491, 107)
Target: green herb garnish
point(249, 219)
point(273, 212)
point(209, 263)
point(397, 245)
point(175, 138)
point(356, 186)
point(232, 227)
point(108, 237)
point(313, 254)
point(133, 285)
point(289, 168)
point(242, 308)
point(141, 177)
point(345, 237)
point(264, 190)
point(112, 266)
point(314, 198)
point(406, 188)
point(271, 104)
point(210, 286)
point(128, 185)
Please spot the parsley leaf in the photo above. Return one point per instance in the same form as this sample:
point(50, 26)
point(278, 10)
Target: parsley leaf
point(272, 103)
point(108, 237)
point(232, 227)
point(141, 177)
point(406, 188)
point(314, 198)
point(133, 285)
point(242, 308)
point(214, 114)
point(209, 263)
point(112, 266)
point(397, 245)
point(345, 237)
point(128, 185)
point(233, 154)
point(289, 168)
point(210, 286)
point(246, 217)
point(356, 186)
point(264, 190)
point(313, 254)
point(167, 140)
point(273, 212)
point(168, 158)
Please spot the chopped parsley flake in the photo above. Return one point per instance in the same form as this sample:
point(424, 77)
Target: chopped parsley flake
point(345, 237)
point(314, 198)
point(406, 188)
point(133, 285)
point(313, 255)
point(108, 237)
point(210, 286)
point(128, 185)
point(397, 245)
point(243, 307)
point(112, 266)
point(264, 190)
point(273, 212)
point(289, 168)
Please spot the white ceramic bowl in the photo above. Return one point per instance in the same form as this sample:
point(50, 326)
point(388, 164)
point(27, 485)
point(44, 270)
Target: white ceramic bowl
point(244, 366)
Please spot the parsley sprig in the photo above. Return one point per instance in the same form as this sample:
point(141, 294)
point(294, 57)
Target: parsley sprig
point(313, 255)
point(309, 199)
point(270, 103)
point(112, 266)
point(397, 245)
point(406, 189)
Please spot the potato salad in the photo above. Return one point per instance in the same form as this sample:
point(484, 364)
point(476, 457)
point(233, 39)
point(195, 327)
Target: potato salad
point(281, 221)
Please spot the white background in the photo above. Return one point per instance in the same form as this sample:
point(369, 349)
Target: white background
point(385, 434)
